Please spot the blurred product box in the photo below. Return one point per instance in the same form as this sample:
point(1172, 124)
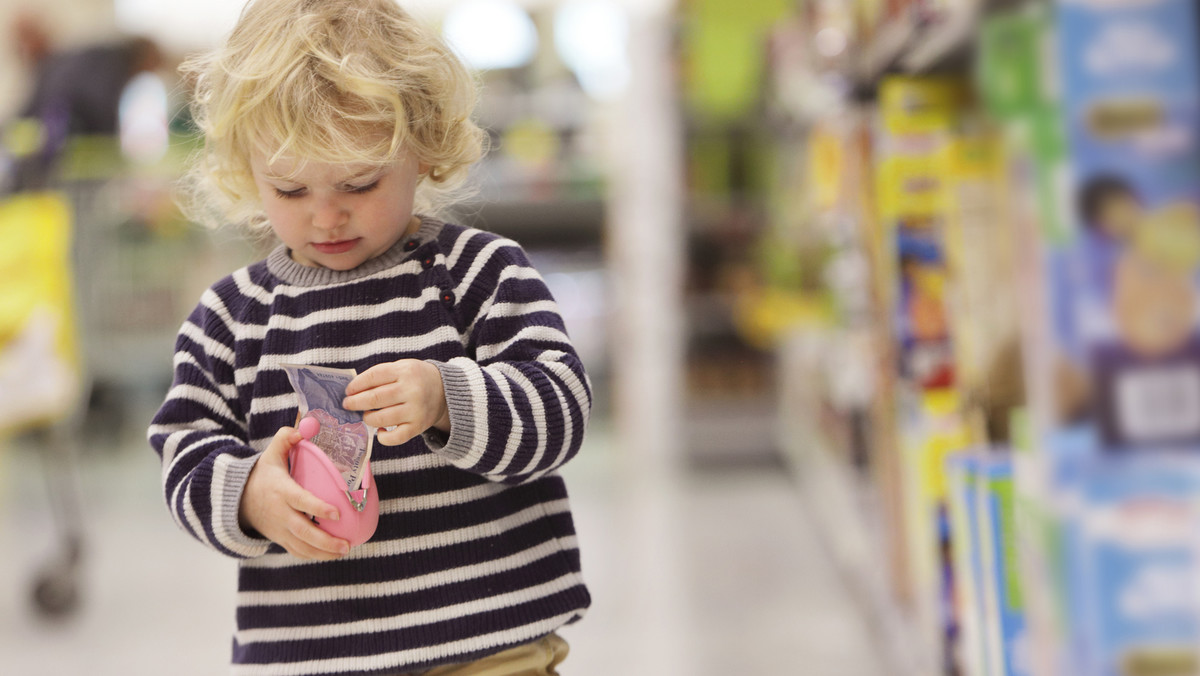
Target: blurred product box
point(1105, 172)
point(1016, 84)
point(931, 430)
point(1005, 629)
point(1011, 74)
point(913, 156)
point(1039, 537)
point(1135, 608)
point(915, 189)
point(989, 584)
point(1124, 278)
point(962, 477)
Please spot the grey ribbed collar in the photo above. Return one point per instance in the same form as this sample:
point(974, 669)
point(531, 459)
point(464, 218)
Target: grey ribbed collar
point(280, 262)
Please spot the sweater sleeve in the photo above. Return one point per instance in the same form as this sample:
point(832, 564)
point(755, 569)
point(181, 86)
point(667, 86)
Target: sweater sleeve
point(200, 435)
point(520, 401)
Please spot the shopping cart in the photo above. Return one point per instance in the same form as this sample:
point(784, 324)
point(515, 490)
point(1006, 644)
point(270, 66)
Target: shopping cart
point(111, 228)
point(133, 288)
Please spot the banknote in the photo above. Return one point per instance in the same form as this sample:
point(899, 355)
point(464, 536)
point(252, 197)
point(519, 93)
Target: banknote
point(344, 436)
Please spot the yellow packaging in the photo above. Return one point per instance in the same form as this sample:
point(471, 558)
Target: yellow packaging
point(826, 167)
point(39, 358)
point(935, 431)
point(920, 105)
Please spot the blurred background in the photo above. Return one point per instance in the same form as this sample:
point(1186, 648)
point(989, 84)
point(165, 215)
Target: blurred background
point(890, 307)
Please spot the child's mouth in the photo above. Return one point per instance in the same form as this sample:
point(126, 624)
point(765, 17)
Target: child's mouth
point(338, 247)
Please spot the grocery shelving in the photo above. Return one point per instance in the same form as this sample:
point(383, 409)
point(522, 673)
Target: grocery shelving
point(892, 41)
point(919, 41)
point(845, 507)
point(857, 508)
point(1011, 190)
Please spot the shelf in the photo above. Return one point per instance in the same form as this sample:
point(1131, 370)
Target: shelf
point(918, 44)
point(882, 53)
point(727, 432)
point(841, 504)
point(941, 39)
point(561, 222)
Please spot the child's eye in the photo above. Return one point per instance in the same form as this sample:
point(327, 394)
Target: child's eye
point(358, 190)
point(288, 194)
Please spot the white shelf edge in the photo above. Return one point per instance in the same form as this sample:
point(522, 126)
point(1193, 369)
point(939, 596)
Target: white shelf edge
point(886, 47)
point(939, 39)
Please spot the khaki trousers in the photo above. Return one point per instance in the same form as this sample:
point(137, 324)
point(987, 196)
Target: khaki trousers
point(531, 659)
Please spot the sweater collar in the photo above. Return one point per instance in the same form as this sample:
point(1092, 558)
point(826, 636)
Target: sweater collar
point(280, 262)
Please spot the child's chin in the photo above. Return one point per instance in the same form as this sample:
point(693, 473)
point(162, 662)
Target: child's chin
point(340, 263)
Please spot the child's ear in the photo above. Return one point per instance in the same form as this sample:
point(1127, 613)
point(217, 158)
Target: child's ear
point(424, 168)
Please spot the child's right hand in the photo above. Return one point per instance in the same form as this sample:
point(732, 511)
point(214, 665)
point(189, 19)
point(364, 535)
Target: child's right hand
point(277, 507)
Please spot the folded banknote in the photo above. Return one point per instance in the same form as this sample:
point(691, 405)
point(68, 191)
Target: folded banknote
point(344, 436)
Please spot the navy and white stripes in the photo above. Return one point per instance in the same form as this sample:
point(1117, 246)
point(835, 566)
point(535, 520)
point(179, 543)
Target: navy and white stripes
point(476, 549)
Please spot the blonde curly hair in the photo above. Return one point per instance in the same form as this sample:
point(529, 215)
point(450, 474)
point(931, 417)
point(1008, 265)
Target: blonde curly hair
point(331, 81)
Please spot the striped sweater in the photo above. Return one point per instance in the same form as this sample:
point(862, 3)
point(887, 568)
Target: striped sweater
point(475, 550)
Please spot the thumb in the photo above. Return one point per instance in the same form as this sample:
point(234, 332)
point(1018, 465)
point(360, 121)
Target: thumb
point(282, 443)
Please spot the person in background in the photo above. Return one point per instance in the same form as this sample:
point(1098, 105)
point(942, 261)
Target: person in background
point(339, 126)
point(75, 92)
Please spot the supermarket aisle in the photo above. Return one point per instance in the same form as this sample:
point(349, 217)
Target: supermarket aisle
point(756, 593)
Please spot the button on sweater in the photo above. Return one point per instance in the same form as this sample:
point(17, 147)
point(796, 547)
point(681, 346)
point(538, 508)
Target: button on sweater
point(476, 550)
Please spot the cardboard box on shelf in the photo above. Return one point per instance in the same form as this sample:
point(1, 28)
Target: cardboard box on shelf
point(1124, 277)
point(962, 474)
point(1005, 626)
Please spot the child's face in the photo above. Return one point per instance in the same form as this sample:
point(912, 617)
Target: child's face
point(336, 216)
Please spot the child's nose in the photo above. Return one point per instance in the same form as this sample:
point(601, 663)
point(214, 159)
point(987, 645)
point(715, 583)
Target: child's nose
point(328, 213)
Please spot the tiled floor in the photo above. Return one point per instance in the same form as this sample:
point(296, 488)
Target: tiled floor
point(712, 574)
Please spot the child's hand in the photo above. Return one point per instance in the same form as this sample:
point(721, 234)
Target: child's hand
point(276, 506)
point(405, 396)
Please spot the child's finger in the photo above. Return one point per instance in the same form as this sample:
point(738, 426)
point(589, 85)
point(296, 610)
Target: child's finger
point(304, 501)
point(284, 439)
point(380, 396)
point(377, 375)
point(396, 435)
point(302, 550)
point(388, 417)
point(307, 532)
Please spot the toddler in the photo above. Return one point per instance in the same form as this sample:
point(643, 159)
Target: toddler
point(339, 126)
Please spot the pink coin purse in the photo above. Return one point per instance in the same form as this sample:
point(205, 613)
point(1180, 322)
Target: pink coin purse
point(311, 468)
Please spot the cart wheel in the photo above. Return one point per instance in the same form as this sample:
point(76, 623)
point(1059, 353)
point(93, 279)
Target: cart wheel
point(56, 593)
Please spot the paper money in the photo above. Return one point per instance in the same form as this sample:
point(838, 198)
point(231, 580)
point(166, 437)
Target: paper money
point(344, 436)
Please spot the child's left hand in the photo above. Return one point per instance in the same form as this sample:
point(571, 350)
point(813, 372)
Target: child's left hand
point(406, 396)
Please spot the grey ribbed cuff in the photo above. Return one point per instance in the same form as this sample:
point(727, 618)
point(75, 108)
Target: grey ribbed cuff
point(457, 384)
point(236, 474)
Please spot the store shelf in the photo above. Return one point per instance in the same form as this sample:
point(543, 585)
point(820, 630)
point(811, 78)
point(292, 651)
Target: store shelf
point(534, 223)
point(893, 39)
point(918, 44)
point(726, 432)
point(842, 503)
point(939, 40)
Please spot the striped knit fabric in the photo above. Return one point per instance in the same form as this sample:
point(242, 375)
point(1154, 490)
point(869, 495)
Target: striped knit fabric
point(475, 550)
